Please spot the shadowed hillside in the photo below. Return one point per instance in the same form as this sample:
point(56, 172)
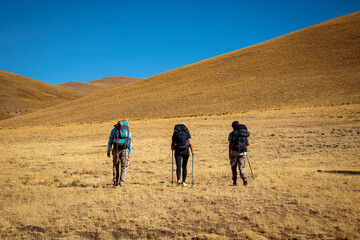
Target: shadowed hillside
point(316, 66)
point(19, 95)
point(98, 85)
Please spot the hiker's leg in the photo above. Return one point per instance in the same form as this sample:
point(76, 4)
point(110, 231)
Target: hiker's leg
point(234, 173)
point(184, 165)
point(115, 165)
point(178, 158)
point(233, 164)
point(124, 158)
point(242, 166)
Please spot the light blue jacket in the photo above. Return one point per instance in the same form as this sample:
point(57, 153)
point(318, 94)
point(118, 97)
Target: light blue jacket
point(111, 138)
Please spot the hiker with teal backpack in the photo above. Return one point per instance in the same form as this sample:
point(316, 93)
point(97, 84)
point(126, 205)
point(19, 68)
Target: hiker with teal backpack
point(120, 140)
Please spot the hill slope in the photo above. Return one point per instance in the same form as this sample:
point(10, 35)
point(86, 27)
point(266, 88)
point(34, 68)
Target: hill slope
point(98, 85)
point(319, 65)
point(19, 94)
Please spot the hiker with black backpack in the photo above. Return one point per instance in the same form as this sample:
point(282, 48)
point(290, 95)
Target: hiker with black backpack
point(120, 140)
point(181, 141)
point(238, 142)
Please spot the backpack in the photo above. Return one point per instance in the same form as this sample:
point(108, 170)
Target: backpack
point(240, 138)
point(180, 137)
point(121, 138)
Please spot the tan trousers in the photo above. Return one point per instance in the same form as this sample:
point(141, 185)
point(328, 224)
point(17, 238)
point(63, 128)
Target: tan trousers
point(237, 161)
point(120, 158)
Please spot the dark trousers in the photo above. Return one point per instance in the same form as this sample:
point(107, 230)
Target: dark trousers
point(184, 156)
point(237, 160)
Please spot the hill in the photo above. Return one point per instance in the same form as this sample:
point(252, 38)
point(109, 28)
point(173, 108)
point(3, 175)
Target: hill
point(315, 66)
point(19, 95)
point(98, 85)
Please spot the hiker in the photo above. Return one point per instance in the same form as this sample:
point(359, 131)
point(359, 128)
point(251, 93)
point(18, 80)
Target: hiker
point(120, 138)
point(238, 142)
point(181, 141)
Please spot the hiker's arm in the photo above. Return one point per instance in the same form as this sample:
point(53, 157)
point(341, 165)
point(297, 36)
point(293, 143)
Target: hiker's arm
point(130, 145)
point(191, 146)
point(172, 142)
point(230, 146)
point(110, 143)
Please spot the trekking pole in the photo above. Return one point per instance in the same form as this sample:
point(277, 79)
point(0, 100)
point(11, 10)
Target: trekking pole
point(172, 166)
point(250, 167)
point(192, 171)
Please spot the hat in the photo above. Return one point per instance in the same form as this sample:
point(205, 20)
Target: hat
point(235, 124)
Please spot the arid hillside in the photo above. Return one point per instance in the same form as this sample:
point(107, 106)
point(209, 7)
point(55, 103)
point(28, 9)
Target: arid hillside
point(19, 95)
point(316, 66)
point(98, 85)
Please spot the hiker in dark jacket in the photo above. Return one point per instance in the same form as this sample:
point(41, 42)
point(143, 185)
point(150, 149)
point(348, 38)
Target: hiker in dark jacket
point(238, 142)
point(121, 141)
point(181, 143)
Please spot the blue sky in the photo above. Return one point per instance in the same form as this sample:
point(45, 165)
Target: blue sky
point(57, 41)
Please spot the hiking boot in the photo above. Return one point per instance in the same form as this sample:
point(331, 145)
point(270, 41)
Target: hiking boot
point(179, 181)
point(122, 184)
point(234, 183)
point(245, 181)
point(184, 184)
point(115, 183)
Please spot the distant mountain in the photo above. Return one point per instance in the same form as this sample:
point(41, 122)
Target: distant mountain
point(19, 95)
point(98, 85)
point(315, 66)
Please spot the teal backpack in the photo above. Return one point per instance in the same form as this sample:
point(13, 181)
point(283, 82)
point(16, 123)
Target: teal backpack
point(121, 139)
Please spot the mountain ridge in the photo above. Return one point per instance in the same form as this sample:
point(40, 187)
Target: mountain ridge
point(20, 94)
point(315, 66)
point(98, 85)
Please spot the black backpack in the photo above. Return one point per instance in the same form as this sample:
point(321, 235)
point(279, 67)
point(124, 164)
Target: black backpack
point(180, 137)
point(121, 138)
point(240, 138)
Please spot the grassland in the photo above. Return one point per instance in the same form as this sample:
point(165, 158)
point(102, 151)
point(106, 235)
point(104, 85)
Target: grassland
point(55, 180)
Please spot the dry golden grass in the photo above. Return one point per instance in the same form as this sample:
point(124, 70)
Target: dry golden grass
point(19, 95)
point(316, 66)
point(98, 85)
point(55, 181)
